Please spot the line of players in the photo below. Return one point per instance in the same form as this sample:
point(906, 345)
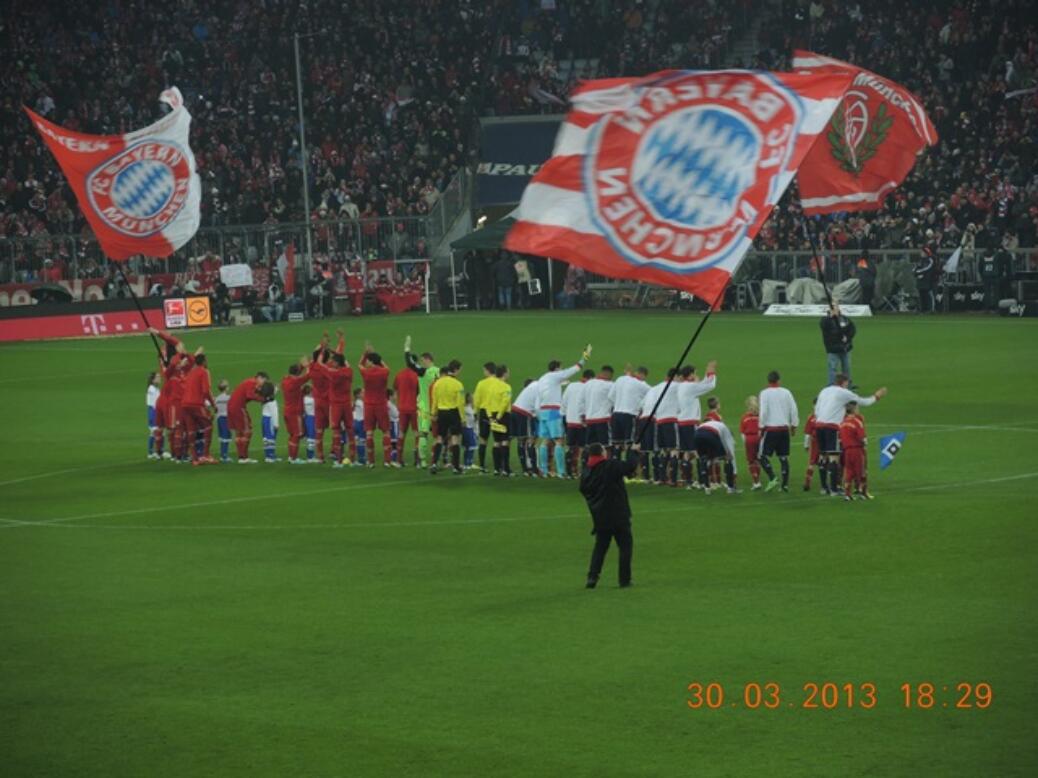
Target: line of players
point(552, 419)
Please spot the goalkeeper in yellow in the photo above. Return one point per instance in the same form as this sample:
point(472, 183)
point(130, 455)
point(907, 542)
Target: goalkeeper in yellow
point(448, 409)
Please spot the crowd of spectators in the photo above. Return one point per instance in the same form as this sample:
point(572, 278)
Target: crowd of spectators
point(963, 59)
point(393, 92)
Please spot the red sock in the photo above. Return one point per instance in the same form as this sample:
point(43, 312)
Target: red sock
point(808, 476)
point(755, 472)
point(369, 447)
point(387, 447)
point(158, 440)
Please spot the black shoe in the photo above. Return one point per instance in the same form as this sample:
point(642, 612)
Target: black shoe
point(785, 489)
point(591, 583)
point(626, 584)
point(434, 470)
point(807, 487)
point(458, 471)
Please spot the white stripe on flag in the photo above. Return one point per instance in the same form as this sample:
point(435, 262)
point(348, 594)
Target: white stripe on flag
point(857, 197)
point(574, 139)
point(551, 206)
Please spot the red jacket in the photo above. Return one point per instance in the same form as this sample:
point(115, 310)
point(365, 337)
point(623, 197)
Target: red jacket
point(852, 432)
point(750, 425)
point(340, 383)
point(292, 392)
point(197, 388)
point(243, 393)
point(406, 385)
point(376, 380)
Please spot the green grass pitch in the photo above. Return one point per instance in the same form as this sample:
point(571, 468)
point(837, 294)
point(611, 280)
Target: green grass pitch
point(159, 620)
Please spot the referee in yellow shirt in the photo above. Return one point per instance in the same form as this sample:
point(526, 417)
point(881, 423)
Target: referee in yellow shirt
point(499, 408)
point(448, 408)
point(480, 398)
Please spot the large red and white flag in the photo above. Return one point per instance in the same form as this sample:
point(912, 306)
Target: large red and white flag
point(668, 178)
point(869, 146)
point(140, 192)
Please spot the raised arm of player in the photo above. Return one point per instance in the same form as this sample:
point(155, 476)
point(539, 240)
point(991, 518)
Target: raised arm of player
point(410, 360)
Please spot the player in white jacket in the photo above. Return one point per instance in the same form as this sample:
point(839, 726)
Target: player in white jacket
point(778, 422)
point(690, 412)
point(574, 401)
point(598, 408)
point(524, 424)
point(549, 416)
point(830, 408)
point(626, 398)
point(714, 443)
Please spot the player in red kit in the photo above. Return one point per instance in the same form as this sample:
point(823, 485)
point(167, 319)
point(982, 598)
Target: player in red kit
point(406, 385)
point(749, 427)
point(169, 403)
point(376, 405)
point(853, 442)
point(292, 394)
point(196, 407)
point(238, 414)
point(321, 389)
point(811, 445)
point(340, 404)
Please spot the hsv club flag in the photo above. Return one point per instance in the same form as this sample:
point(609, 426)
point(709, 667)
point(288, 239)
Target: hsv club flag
point(668, 178)
point(889, 445)
point(139, 191)
point(869, 146)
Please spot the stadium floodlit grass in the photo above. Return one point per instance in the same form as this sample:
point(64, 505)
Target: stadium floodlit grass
point(272, 620)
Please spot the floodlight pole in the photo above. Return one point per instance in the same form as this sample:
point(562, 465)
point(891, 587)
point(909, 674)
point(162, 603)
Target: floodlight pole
point(305, 162)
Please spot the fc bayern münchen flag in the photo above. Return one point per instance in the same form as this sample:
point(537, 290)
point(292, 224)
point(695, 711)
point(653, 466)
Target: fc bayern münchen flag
point(889, 445)
point(668, 178)
point(869, 146)
point(140, 192)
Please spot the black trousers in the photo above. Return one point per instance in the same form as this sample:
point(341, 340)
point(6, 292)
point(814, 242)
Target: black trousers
point(624, 541)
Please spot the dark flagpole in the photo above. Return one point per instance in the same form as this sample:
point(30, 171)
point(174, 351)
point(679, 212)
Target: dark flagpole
point(681, 361)
point(140, 310)
point(817, 251)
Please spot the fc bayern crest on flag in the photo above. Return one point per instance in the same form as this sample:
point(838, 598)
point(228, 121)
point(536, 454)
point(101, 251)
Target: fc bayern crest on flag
point(678, 179)
point(141, 189)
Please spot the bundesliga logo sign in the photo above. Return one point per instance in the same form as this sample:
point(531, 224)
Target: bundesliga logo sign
point(141, 189)
point(678, 179)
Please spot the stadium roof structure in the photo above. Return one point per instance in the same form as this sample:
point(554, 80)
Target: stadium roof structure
point(486, 238)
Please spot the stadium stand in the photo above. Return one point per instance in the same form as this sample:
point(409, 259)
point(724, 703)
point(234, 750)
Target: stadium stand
point(394, 90)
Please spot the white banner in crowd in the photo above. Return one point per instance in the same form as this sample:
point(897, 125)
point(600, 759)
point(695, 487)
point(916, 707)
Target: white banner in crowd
point(816, 310)
point(236, 275)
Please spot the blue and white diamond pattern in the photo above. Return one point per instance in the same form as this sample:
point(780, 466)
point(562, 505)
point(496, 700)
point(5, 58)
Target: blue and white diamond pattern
point(693, 166)
point(143, 188)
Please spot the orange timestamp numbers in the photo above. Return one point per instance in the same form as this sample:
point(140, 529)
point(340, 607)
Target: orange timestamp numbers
point(830, 695)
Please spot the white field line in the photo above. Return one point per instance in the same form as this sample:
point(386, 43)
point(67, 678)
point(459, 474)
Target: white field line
point(688, 506)
point(66, 471)
point(211, 503)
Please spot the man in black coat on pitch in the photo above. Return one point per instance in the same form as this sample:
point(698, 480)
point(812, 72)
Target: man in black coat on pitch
point(603, 487)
